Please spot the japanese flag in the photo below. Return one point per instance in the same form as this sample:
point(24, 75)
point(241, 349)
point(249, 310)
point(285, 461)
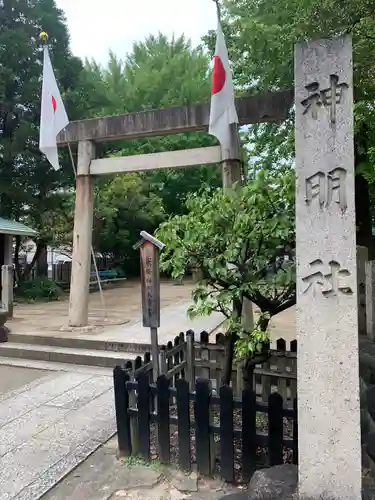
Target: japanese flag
point(223, 110)
point(53, 117)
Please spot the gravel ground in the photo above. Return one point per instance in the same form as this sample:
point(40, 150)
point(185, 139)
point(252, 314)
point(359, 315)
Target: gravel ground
point(262, 452)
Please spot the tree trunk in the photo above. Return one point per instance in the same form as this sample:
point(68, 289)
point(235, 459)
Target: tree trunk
point(227, 376)
point(263, 323)
point(248, 371)
point(42, 262)
point(28, 267)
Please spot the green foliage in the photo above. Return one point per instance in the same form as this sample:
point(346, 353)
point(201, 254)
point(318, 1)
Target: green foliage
point(30, 190)
point(239, 241)
point(157, 73)
point(253, 344)
point(261, 35)
point(39, 289)
point(124, 206)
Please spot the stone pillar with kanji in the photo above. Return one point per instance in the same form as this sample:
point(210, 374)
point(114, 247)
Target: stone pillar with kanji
point(327, 300)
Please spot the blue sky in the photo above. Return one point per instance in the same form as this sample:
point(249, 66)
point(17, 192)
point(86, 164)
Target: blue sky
point(96, 27)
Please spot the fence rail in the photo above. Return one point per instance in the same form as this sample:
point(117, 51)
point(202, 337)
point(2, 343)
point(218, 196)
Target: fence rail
point(185, 358)
point(147, 412)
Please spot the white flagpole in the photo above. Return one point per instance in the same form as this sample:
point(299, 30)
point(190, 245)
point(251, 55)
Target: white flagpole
point(44, 38)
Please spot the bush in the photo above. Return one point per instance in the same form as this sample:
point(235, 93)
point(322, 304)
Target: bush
point(38, 289)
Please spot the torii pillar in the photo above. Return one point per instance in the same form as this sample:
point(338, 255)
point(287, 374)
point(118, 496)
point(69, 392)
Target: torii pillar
point(82, 237)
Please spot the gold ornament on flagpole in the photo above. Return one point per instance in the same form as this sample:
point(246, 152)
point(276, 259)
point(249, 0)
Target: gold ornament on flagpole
point(43, 36)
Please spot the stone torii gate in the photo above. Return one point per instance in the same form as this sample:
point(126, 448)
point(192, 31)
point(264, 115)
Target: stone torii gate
point(192, 118)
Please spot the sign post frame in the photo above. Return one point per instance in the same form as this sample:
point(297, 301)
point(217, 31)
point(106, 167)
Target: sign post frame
point(150, 248)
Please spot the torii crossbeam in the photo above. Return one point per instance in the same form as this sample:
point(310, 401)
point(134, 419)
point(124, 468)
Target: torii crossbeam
point(268, 107)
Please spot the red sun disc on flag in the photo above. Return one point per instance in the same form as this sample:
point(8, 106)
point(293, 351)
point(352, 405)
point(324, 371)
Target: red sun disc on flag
point(54, 104)
point(218, 76)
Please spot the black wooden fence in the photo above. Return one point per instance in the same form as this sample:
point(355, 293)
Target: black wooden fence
point(189, 359)
point(147, 412)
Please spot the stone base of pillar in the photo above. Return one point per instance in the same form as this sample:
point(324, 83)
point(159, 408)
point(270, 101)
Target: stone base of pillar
point(4, 330)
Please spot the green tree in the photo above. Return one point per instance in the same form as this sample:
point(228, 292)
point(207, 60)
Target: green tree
point(29, 186)
point(261, 35)
point(124, 206)
point(159, 72)
point(243, 243)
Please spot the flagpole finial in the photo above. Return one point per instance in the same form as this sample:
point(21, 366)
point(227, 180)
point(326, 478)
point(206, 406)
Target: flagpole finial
point(43, 36)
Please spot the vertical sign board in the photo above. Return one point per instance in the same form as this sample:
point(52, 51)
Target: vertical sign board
point(150, 277)
point(150, 285)
point(327, 308)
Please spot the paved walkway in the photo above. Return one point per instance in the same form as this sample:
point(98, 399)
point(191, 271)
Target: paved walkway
point(103, 477)
point(49, 426)
point(12, 377)
point(174, 320)
point(123, 305)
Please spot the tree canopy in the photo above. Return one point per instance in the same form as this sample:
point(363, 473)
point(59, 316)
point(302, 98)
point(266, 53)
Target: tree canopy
point(29, 187)
point(159, 72)
point(261, 35)
point(240, 242)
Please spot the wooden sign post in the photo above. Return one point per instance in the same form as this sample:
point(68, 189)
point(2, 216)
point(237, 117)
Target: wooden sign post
point(150, 279)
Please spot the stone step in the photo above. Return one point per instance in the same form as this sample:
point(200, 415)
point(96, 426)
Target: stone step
point(88, 357)
point(79, 343)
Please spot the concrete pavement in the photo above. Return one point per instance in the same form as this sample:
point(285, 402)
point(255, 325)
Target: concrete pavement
point(12, 378)
point(49, 426)
point(56, 442)
point(110, 347)
point(103, 477)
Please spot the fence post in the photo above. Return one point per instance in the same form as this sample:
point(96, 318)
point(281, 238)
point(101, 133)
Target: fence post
point(176, 359)
point(120, 377)
point(248, 433)
point(203, 430)
point(275, 429)
point(169, 359)
point(144, 415)
point(128, 367)
point(239, 381)
point(226, 433)
point(137, 363)
point(265, 382)
point(293, 365)
point(183, 416)
point(205, 356)
point(163, 360)
point(190, 359)
point(182, 352)
point(134, 434)
point(281, 368)
point(163, 418)
point(163, 371)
